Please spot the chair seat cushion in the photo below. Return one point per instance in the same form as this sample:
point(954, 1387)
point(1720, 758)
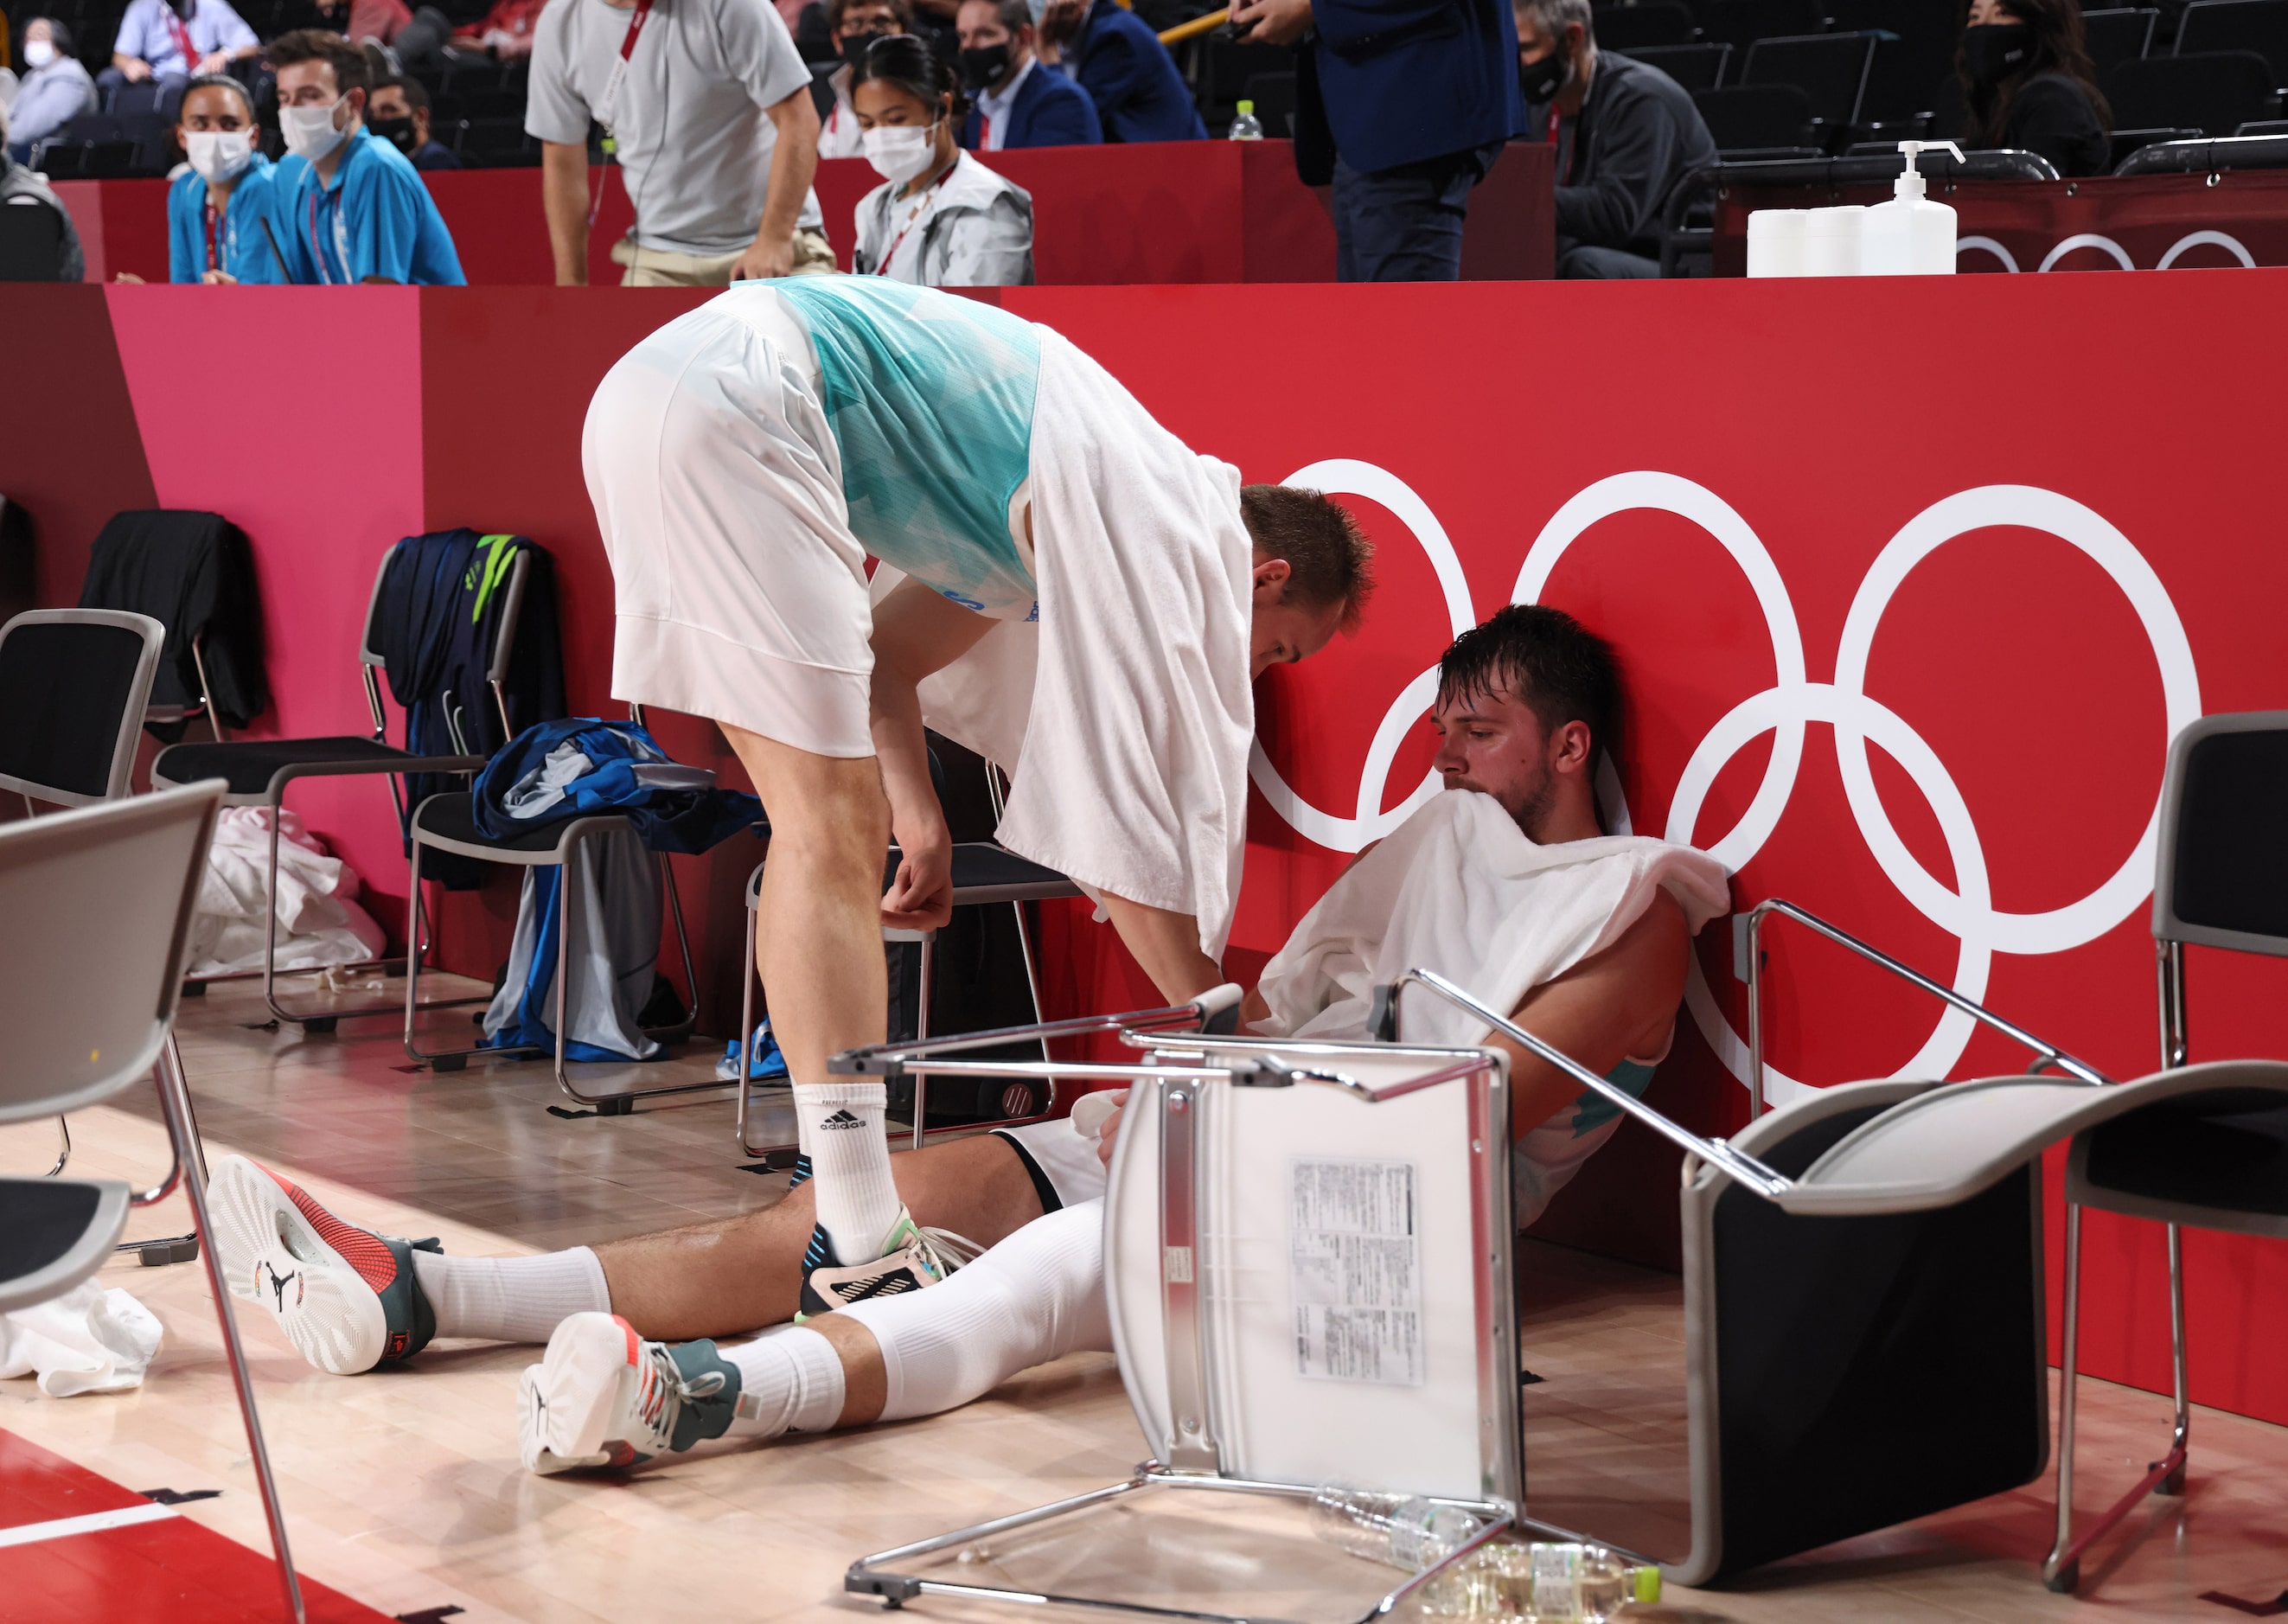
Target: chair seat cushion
point(2222, 1151)
point(976, 866)
point(452, 817)
point(42, 1220)
point(249, 765)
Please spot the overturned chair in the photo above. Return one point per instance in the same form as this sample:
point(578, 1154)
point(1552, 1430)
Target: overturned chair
point(1330, 1305)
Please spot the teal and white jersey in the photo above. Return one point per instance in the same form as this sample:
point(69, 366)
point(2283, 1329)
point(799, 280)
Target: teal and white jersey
point(930, 396)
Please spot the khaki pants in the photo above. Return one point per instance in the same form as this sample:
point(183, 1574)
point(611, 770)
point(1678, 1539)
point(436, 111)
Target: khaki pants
point(661, 267)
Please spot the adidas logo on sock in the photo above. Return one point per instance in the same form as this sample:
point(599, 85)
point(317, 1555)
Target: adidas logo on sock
point(842, 1118)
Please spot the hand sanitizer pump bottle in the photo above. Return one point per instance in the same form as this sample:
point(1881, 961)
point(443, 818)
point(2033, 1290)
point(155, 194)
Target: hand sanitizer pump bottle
point(1909, 236)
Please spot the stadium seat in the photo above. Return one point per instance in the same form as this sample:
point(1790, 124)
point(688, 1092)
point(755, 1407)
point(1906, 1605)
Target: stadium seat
point(494, 143)
point(1225, 67)
point(2260, 25)
point(1831, 70)
point(1756, 117)
point(1740, 22)
point(1696, 67)
point(2126, 141)
point(147, 97)
point(1629, 29)
point(2218, 92)
point(1917, 52)
point(2117, 36)
point(2264, 126)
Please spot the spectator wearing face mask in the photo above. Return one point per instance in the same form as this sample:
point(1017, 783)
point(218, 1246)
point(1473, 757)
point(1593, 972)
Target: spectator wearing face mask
point(940, 218)
point(1113, 55)
point(1625, 134)
point(1015, 100)
point(2027, 82)
point(55, 88)
point(176, 39)
point(220, 227)
point(350, 208)
point(21, 189)
point(854, 25)
point(398, 113)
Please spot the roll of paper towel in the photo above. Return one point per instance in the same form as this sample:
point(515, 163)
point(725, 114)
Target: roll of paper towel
point(1830, 241)
point(1775, 242)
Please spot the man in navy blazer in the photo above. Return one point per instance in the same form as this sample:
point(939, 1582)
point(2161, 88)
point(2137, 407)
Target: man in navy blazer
point(1421, 96)
point(1015, 100)
point(1127, 72)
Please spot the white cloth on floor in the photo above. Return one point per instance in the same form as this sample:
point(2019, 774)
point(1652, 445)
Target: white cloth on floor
point(89, 1340)
point(319, 921)
point(1460, 889)
point(1125, 715)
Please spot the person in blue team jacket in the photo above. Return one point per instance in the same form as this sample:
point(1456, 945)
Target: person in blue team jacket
point(219, 222)
point(1420, 97)
point(1115, 56)
point(349, 207)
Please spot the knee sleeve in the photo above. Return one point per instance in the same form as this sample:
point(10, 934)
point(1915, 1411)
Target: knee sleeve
point(1036, 1297)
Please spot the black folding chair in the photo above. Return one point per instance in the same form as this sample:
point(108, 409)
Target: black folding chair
point(259, 770)
point(89, 1004)
point(1631, 29)
point(2213, 1160)
point(1758, 119)
point(2260, 25)
point(2118, 35)
point(1695, 68)
point(1741, 22)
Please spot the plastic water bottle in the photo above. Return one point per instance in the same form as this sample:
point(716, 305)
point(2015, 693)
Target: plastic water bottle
point(1246, 127)
point(1403, 1530)
point(1539, 1584)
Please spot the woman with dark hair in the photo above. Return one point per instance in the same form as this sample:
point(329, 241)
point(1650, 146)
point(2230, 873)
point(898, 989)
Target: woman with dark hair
point(2027, 83)
point(940, 218)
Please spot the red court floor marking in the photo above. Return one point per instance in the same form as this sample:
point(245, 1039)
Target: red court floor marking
point(171, 1571)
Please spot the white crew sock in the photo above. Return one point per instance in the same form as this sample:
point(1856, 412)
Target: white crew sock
point(789, 1381)
point(849, 1166)
point(1037, 1296)
point(511, 1299)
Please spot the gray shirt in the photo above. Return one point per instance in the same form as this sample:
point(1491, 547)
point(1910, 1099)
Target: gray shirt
point(49, 98)
point(694, 142)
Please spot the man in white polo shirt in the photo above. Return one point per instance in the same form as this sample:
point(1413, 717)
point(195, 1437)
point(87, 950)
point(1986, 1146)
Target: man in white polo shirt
point(709, 106)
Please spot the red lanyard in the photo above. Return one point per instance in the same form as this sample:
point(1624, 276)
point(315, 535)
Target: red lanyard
point(921, 208)
point(214, 228)
point(610, 104)
point(182, 33)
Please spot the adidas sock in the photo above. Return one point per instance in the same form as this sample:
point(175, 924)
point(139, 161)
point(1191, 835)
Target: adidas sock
point(511, 1299)
point(789, 1381)
point(850, 1166)
point(801, 1173)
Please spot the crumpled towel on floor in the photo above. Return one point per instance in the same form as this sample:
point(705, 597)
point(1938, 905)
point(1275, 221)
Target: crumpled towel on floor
point(89, 1340)
point(317, 922)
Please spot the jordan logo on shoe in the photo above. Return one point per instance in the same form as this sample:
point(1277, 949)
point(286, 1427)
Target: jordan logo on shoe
point(842, 1118)
point(278, 1284)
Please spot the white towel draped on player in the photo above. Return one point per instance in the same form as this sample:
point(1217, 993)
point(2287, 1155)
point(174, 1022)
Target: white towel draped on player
point(1125, 715)
point(1460, 889)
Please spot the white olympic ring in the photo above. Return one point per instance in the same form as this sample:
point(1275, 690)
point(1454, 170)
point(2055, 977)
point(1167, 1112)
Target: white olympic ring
point(1342, 476)
point(2120, 255)
point(1783, 709)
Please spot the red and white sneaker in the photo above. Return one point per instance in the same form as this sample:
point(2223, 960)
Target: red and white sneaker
point(603, 1397)
point(346, 1298)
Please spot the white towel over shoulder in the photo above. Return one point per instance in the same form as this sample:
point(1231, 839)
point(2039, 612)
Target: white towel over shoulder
point(1460, 889)
point(1125, 715)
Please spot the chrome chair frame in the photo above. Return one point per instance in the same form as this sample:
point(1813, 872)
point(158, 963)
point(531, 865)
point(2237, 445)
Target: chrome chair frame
point(1015, 895)
point(1193, 1462)
point(392, 767)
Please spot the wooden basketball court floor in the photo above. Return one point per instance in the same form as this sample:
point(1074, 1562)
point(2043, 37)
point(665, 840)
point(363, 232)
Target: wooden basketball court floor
point(405, 1499)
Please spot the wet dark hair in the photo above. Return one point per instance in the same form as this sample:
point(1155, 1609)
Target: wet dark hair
point(1330, 559)
point(2061, 45)
point(1557, 667)
point(905, 61)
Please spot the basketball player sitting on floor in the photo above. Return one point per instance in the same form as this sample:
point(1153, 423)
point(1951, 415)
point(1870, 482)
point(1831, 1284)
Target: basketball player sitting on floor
point(1508, 886)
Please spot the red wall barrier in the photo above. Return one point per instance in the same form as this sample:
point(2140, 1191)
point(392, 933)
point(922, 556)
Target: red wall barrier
point(1170, 211)
point(2034, 600)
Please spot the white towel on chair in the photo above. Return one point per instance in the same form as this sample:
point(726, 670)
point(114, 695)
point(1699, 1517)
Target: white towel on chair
point(1460, 889)
point(319, 921)
point(88, 1341)
point(1124, 716)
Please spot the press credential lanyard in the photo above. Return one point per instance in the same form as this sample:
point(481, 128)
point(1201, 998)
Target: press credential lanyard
point(611, 99)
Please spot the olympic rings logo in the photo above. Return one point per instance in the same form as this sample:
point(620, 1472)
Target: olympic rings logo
point(2111, 249)
point(1784, 709)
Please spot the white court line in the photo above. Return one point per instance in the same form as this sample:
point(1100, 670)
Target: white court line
point(94, 1521)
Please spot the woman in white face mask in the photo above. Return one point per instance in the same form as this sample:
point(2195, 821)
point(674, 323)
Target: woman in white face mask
point(940, 218)
point(56, 88)
point(219, 224)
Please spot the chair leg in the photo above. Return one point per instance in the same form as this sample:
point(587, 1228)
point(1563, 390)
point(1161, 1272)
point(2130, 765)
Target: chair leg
point(746, 1028)
point(682, 942)
point(922, 1032)
point(174, 1104)
point(1032, 974)
point(2173, 1480)
point(2062, 1570)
